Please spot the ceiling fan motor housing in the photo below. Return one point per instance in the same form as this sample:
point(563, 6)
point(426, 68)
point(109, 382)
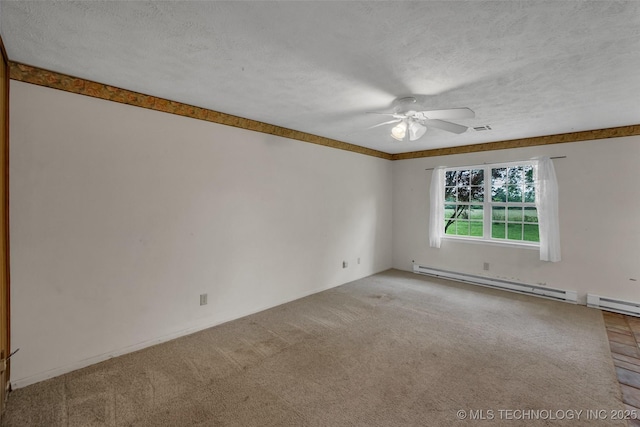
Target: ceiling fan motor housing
point(405, 104)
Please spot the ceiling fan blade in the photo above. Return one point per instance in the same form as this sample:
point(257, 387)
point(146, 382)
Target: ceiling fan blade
point(385, 123)
point(396, 115)
point(452, 113)
point(448, 126)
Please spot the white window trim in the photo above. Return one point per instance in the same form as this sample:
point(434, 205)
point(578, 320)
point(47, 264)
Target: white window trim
point(488, 203)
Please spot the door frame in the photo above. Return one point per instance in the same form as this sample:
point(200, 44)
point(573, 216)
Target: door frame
point(5, 318)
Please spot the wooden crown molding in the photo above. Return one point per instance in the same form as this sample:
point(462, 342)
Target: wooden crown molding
point(588, 135)
point(54, 80)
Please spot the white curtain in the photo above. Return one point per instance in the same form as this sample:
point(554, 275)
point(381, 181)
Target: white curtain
point(547, 205)
point(436, 208)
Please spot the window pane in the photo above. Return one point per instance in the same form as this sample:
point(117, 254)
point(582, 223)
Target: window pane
point(476, 212)
point(530, 215)
point(515, 175)
point(477, 177)
point(514, 193)
point(462, 228)
point(531, 233)
point(449, 227)
point(450, 194)
point(477, 194)
point(497, 213)
point(529, 194)
point(528, 174)
point(450, 178)
point(449, 210)
point(498, 177)
point(515, 214)
point(514, 231)
point(457, 212)
point(464, 177)
point(464, 212)
point(475, 228)
point(463, 194)
point(497, 230)
point(498, 194)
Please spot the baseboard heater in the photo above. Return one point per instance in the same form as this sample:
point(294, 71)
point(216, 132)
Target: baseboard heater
point(615, 305)
point(522, 288)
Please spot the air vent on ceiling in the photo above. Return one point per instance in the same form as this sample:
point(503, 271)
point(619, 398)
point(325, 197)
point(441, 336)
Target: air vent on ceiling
point(479, 128)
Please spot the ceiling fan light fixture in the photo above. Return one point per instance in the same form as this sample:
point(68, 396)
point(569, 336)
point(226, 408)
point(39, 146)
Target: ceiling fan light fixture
point(416, 131)
point(413, 123)
point(399, 131)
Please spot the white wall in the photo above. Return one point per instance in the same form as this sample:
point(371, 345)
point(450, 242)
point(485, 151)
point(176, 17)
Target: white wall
point(121, 217)
point(599, 220)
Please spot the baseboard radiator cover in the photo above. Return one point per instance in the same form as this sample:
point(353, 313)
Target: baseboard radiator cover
point(522, 288)
point(615, 305)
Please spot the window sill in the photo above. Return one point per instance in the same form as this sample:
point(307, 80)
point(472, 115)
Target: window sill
point(505, 244)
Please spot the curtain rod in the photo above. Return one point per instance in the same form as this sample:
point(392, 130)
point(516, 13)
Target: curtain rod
point(497, 163)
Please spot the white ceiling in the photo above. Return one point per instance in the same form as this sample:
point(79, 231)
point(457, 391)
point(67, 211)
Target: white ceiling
point(527, 68)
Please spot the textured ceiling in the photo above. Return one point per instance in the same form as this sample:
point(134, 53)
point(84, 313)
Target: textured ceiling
point(526, 68)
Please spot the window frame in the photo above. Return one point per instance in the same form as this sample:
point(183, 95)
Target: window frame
point(488, 205)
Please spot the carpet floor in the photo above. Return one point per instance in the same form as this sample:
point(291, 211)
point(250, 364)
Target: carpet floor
point(392, 349)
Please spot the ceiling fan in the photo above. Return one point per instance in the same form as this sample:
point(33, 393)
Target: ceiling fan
point(413, 124)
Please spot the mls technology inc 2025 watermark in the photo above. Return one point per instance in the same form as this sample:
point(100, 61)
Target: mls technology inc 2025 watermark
point(547, 414)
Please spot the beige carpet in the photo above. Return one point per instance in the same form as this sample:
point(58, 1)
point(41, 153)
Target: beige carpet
point(388, 350)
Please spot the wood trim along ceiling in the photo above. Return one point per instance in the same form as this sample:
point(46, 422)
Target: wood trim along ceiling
point(54, 80)
point(51, 79)
point(588, 135)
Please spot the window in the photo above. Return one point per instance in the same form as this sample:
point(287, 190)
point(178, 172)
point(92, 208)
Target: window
point(491, 203)
point(513, 203)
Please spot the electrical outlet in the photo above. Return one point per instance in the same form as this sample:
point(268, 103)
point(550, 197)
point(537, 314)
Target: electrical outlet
point(358, 260)
point(203, 299)
point(486, 266)
point(345, 264)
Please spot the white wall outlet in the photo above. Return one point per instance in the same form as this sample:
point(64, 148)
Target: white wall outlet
point(358, 260)
point(485, 267)
point(203, 299)
point(345, 264)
